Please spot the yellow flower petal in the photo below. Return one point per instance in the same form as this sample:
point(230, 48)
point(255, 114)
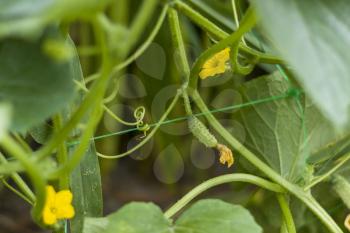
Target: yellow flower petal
point(224, 55)
point(65, 212)
point(57, 205)
point(215, 64)
point(63, 197)
point(211, 63)
point(50, 195)
point(205, 73)
point(220, 69)
point(49, 218)
point(63, 204)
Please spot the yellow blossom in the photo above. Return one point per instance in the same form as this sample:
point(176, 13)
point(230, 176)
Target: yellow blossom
point(216, 64)
point(57, 206)
point(226, 155)
point(347, 222)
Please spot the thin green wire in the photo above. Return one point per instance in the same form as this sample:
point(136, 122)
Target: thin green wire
point(182, 118)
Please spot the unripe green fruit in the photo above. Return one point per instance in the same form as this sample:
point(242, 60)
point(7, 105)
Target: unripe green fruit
point(201, 132)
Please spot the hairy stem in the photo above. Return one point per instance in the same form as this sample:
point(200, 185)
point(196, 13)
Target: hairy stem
point(239, 177)
point(178, 43)
point(287, 214)
point(62, 154)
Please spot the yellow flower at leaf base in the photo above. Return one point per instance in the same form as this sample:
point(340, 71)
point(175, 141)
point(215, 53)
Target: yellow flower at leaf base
point(216, 64)
point(57, 206)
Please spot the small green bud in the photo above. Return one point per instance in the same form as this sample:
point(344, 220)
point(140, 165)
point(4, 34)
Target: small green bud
point(201, 132)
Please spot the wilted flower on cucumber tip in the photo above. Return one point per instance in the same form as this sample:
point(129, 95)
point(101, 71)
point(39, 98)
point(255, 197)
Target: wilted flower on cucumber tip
point(226, 155)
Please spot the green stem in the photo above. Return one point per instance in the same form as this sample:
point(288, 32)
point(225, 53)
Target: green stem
point(139, 23)
point(187, 103)
point(108, 110)
point(306, 198)
point(120, 11)
point(218, 181)
point(33, 171)
point(284, 227)
point(203, 7)
point(96, 113)
point(18, 193)
point(247, 23)
point(98, 88)
point(178, 43)
point(10, 167)
point(200, 20)
point(235, 16)
point(144, 46)
point(19, 182)
point(219, 34)
point(287, 215)
point(22, 142)
point(150, 135)
point(341, 162)
point(62, 154)
point(66, 168)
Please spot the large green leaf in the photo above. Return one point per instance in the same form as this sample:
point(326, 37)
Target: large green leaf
point(205, 216)
point(314, 36)
point(28, 18)
point(36, 85)
point(132, 218)
point(87, 190)
point(275, 129)
point(85, 180)
point(212, 216)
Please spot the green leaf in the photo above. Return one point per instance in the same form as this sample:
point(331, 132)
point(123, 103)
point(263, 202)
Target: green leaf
point(41, 133)
point(313, 36)
point(28, 18)
point(5, 119)
point(34, 84)
point(95, 225)
point(206, 216)
point(212, 216)
point(87, 190)
point(133, 218)
point(138, 218)
point(86, 178)
point(283, 131)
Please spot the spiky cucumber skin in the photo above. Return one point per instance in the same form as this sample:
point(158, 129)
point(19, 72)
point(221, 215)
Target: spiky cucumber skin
point(201, 132)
